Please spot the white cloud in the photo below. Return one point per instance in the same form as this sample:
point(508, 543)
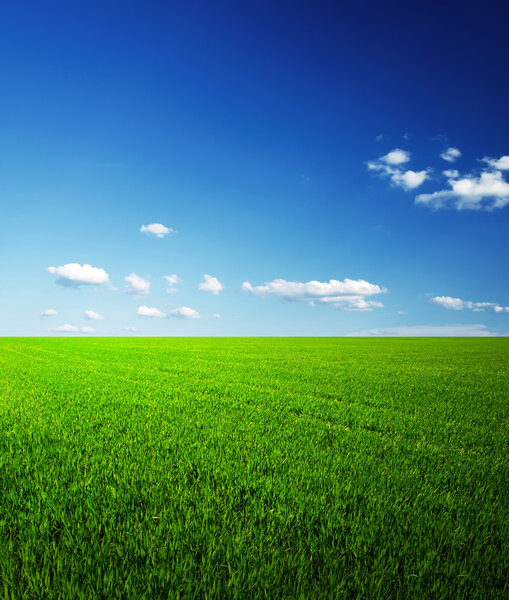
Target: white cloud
point(146, 311)
point(211, 284)
point(127, 328)
point(216, 316)
point(458, 304)
point(499, 309)
point(487, 191)
point(347, 295)
point(93, 316)
point(500, 164)
point(49, 312)
point(428, 331)
point(137, 285)
point(156, 229)
point(74, 275)
point(409, 180)
point(451, 154)
point(71, 329)
point(172, 280)
point(396, 157)
point(184, 312)
point(389, 166)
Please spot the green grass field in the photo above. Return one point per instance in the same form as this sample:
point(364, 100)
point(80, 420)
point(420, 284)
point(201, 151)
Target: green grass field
point(254, 468)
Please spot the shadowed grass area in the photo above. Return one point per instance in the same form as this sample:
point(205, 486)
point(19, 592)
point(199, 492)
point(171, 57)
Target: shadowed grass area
point(253, 468)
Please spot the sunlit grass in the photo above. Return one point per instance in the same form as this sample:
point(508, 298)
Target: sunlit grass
point(253, 468)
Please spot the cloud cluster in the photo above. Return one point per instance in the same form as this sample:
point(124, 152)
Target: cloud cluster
point(487, 190)
point(390, 166)
point(349, 294)
point(93, 316)
point(156, 229)
point(211, 284)
point(74, 275)
point(172, 281)
point(137, 285)
point(458, 304)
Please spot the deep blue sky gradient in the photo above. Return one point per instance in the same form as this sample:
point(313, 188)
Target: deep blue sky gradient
point(246, 127)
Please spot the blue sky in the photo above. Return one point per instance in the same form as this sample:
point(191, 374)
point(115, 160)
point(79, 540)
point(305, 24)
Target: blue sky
point(293, 153)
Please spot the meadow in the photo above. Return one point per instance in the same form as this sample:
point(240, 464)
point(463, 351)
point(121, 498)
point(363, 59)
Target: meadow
point(254, 468)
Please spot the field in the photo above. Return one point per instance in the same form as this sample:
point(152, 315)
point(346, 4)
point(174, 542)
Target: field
point(254, 468)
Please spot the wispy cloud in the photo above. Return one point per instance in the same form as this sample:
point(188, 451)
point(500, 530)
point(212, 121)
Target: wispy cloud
point(172, 281)
point(346, 295)
point(49, 312)
point(458, 304)
point(427, 331)
point(71, 329)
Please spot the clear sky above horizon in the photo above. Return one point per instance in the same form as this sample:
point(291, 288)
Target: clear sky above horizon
point(196, 168)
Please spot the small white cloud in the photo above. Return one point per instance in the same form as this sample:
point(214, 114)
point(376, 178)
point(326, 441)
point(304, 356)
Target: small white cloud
point(409, 180)
point(349, 294)
point(137, 285)
point(93, 316)
point(428, 331)
point(211, 284)
point(500, 164)
point(49, 312)
point(458, 304)
point(74, 275)
point(146, 311)
point(172, 280)
point(396, 157)
point(184, 312)
point(216, 316)
point(71, 329)
point(451, 173)
point(127, 328)
point(156, 229)
point(451, 154)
